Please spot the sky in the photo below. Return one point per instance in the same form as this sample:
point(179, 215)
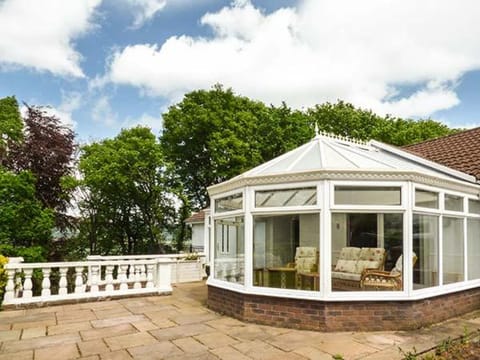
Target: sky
point(104, 65)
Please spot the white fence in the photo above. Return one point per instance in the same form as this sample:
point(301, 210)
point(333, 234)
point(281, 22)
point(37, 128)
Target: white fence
point(110, 276)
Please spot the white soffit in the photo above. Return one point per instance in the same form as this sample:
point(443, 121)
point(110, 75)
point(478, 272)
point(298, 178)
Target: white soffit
point(330, 152)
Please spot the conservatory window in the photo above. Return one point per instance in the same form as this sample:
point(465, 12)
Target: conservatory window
point(230, 249)
point(363, 195)
point(452, 250)
point(286, 197)
point(229, 203)
point(285, 251)
point(453, 203)
point(473, 246)
point(474, 206)
point(367, 251)
point(426, 199)
point(425, 246)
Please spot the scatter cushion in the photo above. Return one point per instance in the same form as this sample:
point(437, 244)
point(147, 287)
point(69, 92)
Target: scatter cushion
point(306, 251)
point(346, 266)
point(349, 253)
point(366, 264)
point(305, 264)
point(372, 254)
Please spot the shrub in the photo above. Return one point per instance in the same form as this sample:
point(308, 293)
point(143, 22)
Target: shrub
point(3, 277)
point(29, 254)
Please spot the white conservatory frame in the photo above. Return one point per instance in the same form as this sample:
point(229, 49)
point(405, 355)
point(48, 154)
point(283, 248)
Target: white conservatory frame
point(325, 179)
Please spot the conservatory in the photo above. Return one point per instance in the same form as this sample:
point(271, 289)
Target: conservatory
point(340, 234)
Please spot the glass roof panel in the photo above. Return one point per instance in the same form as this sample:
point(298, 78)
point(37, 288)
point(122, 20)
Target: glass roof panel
point(287, 197)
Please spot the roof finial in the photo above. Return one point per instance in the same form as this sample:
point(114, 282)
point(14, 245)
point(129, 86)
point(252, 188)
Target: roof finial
point(316, 130)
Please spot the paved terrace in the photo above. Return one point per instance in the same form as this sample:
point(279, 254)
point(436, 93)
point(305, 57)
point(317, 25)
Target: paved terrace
point(181, 327)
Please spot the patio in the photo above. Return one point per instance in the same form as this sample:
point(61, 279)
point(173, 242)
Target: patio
point(179, 326)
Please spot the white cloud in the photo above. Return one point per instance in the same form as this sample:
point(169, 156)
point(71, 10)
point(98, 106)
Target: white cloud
point(71, 101)
point(324, 50)
point(103, 113)
point(144, 10)
point(39, 34)
point(152, 122)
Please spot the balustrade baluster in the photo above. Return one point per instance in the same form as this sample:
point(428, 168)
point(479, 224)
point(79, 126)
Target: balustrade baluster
point(46, 282)
point(150, 269)
point(109, 277)
point(131, 273)
point(62, 283)
point(27, 284)
point(79, 279)
point(95, 270)
point(18, 284)
point(122, 275)
point(137, 284)
point(10, 287)
point(143, 273)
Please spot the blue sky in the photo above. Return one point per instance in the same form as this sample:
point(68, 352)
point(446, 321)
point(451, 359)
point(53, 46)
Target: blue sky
point(104, 65)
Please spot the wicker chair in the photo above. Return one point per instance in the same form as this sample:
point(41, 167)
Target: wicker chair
point(385, 280)
point(306, 262)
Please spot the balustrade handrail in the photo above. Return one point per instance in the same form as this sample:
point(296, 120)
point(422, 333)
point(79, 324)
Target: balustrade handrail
point(154, 256)
point(86, 263)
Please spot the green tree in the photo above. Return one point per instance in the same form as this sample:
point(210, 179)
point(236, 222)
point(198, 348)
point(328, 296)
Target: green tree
point(46, 151)
point(211, 136)
point(344, 119)
point(23, 220)
point(402, 132)
point(11, 125)
point(128, 204)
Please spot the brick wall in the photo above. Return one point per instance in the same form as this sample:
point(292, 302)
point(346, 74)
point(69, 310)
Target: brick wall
point(341, 315)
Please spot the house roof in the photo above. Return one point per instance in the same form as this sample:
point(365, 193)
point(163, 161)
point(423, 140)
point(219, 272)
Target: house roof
point(460, 151)
point(198, 217)
point(334, 157)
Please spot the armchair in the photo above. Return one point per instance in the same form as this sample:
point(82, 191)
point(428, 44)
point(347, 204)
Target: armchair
point(306, 263)
point(385, 280)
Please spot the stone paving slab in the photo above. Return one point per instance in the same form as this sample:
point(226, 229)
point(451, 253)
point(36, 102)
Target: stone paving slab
point(116, 355)
point(59, 352)
point(68, 328)
point(6, 335)
point(190, 345)
point(259, 350)
point(92, 347)
point(159, 350)
point(309, 352)
point(215, 339)
point(130, 340)
point(37, 343)
point(180, 327)
point(34, 332)
point(20, 355)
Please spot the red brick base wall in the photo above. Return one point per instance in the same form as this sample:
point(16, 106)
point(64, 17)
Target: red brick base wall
point(342, 315)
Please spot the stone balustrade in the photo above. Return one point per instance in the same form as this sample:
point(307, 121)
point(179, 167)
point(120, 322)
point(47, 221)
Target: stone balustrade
point(29, 283)
point(183, 269)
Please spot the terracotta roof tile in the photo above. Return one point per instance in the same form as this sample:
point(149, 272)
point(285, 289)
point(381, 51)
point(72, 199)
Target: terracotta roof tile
point(197, 217)
point(459, 151)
